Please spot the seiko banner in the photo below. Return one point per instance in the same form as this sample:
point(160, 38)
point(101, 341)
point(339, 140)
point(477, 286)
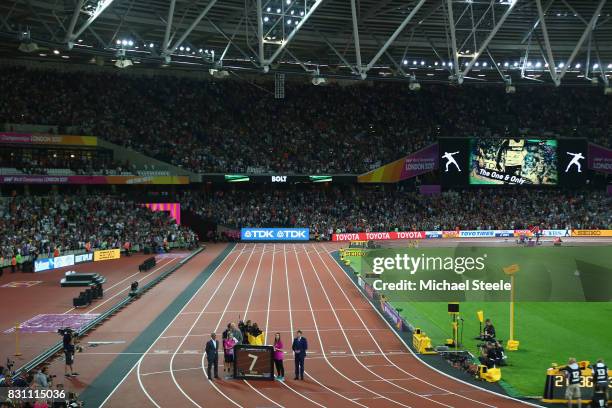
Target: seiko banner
point(274, 234)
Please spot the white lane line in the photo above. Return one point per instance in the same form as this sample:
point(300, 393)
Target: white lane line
point(373, 339)
point(321, 340)
point(267, 328)
point(171, 363)
point(152, 344)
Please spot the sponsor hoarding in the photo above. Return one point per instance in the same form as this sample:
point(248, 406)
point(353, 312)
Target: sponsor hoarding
point(392, 313)
point(106, 254)
point(450, 234)
point(591, 233)
point(274, 234)
point(476, 233)
point(47, 264)
point(556, 233)
point(86, 257)
point(503, 233)
point(433, 234)
point(378, 236)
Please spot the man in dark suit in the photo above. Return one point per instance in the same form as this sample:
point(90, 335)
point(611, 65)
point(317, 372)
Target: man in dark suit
point(212, 346)
point(300, 345)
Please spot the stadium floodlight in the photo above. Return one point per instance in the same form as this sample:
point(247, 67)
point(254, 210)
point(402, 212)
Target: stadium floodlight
point(302, 13)
point(181, 48)
point(278, 11)
point(609, 66)
point(510, 89)
point(405, 62)
point(151, 45)
point(187, 49)
point(124, 42)
point(56, 52)
point(130, 43)
point(288, 22)
point(595, 66)
point(422, 62)
point(578, 65)
point(561, 65)
point(484, 64)
point(288, 2)
point(538, 64)
point(266, 19)
point(506, 64)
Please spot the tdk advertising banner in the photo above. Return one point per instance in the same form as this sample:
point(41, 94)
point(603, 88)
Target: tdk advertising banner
point(274, 234)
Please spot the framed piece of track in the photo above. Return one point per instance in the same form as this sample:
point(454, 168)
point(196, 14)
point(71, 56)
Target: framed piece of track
point(253, 362)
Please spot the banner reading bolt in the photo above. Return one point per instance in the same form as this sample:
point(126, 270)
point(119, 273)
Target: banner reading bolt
point(274, 234)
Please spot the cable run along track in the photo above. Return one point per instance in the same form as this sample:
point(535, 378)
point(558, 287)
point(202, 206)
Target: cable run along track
point(354, 359)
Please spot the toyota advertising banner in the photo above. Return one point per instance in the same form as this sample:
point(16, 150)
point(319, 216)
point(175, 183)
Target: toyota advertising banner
point(378, 236)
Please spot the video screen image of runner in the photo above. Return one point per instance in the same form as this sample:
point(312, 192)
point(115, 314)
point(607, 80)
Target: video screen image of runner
point(513, 161)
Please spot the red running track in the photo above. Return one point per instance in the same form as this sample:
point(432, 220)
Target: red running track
point(354, 359)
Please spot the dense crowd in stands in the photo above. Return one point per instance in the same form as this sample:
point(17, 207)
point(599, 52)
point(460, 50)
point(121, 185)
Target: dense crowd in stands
point(349, 210)
point(50, 225)
point(230, 126)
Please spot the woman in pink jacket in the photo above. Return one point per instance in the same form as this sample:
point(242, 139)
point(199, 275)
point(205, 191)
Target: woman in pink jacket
point(228, 353)
point(279, 354)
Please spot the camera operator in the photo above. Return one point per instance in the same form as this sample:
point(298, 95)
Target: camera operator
point(487, 354)
point(69, 338)
point(499, 353)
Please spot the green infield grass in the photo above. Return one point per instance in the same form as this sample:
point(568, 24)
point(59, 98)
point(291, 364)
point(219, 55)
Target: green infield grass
point(549, 330)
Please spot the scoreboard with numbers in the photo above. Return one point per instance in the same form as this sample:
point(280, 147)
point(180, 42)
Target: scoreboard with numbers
point(253, 362)
point(556, 384)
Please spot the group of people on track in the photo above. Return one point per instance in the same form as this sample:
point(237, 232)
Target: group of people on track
point(250, 333)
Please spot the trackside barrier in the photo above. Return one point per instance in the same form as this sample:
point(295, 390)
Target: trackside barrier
point(50, 352)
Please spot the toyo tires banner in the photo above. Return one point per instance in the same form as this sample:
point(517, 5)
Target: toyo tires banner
point(378, 236)
point(274, 234)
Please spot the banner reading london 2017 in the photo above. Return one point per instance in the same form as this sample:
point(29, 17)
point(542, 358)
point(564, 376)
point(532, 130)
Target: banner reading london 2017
point(599, 158)
point(420, 162)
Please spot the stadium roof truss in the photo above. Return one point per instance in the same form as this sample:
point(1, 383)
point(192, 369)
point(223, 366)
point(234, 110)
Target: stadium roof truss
point(457, 41)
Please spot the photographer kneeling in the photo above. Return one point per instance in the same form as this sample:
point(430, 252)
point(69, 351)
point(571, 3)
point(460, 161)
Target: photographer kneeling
point(69, 338)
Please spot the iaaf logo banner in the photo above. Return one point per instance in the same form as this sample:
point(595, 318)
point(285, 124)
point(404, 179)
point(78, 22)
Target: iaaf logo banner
point(274, 234)
point(378, 236)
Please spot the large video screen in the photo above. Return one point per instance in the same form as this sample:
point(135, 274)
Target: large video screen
point(513, 161)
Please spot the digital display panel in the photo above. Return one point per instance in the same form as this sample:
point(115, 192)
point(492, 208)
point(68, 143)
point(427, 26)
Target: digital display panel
point(513, 161)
